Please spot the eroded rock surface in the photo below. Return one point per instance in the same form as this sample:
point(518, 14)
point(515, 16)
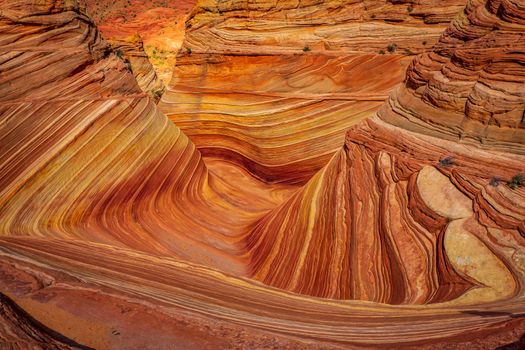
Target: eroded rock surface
point(131, 49)
point(469, 87)
point(116, 233)
point(160, 24)
point(283, 81)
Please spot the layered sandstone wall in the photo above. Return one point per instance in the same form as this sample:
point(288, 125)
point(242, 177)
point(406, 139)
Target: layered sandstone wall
point(470, 86)
point(285, 80)
point(335, 26)
point(397, 192)
point(112, 222)
point(131, 49)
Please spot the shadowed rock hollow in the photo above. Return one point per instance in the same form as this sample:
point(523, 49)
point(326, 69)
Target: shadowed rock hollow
point(311, 222)
point(281, 82)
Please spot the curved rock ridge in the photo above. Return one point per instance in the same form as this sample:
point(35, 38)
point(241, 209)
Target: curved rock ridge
point(280, 117)
point(470, 87)
point(273, 86)
point(286, 27)
point(19, 331)
point(365, 226)
point(116, 234)
point(129, 299)
point(87, 155)
point(132, 50)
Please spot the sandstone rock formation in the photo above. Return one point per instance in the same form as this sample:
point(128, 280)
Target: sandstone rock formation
point(19, 331)
point(117, 234)
point(394, 183)
point(131, 49)
point(470, 86)
point(160, 23)
point(286, 27)
point(284, 81)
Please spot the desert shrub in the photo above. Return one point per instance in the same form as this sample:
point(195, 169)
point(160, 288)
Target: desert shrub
point(128, 64)
point(392, 47)
point(446, 162)
point(517, 181)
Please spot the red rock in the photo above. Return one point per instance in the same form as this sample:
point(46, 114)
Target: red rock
point(115, 233)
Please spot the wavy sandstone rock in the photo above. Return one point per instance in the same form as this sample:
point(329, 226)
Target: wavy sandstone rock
point(132, 50)
point(281, 117)
point(372, 217)
point(365, 225)
point(283, 81)
point(116, 234)
point(470, 86)
point(285, 27)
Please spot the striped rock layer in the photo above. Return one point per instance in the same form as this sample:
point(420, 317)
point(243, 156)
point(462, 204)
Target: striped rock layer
point(116, 234)
point(131, 49)
point(469, 87)
point(279, 117)
point(273, 86)
point(395, 194)
point(285, 27)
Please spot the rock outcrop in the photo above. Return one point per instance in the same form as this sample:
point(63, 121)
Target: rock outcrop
point(282, 82)
point(280, 117)
point(470, 86)
point(131, 49)
point(116, 233)
point(19, 331)
point(334, 26)
point(82, 143)
point(160, 24)
point(395, 194)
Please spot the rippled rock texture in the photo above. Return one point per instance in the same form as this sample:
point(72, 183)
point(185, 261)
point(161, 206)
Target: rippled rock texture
point(470, 86)
point(273, 86)
point(131, 49)
point(286, 27)
point(116, 233)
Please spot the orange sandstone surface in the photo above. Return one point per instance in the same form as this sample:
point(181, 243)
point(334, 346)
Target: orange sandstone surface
point(321, 217)
point(160, 24)
point(281, 82)
point(132, 51)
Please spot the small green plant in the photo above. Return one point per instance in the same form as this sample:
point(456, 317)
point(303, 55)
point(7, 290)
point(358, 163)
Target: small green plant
point(188, 50)
point(306, 49)
point(392, 47)
point(128, 64)
point(516, 181)
point(446, 162)
point(410, 8)
point(118, 53)
point(381, 52)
